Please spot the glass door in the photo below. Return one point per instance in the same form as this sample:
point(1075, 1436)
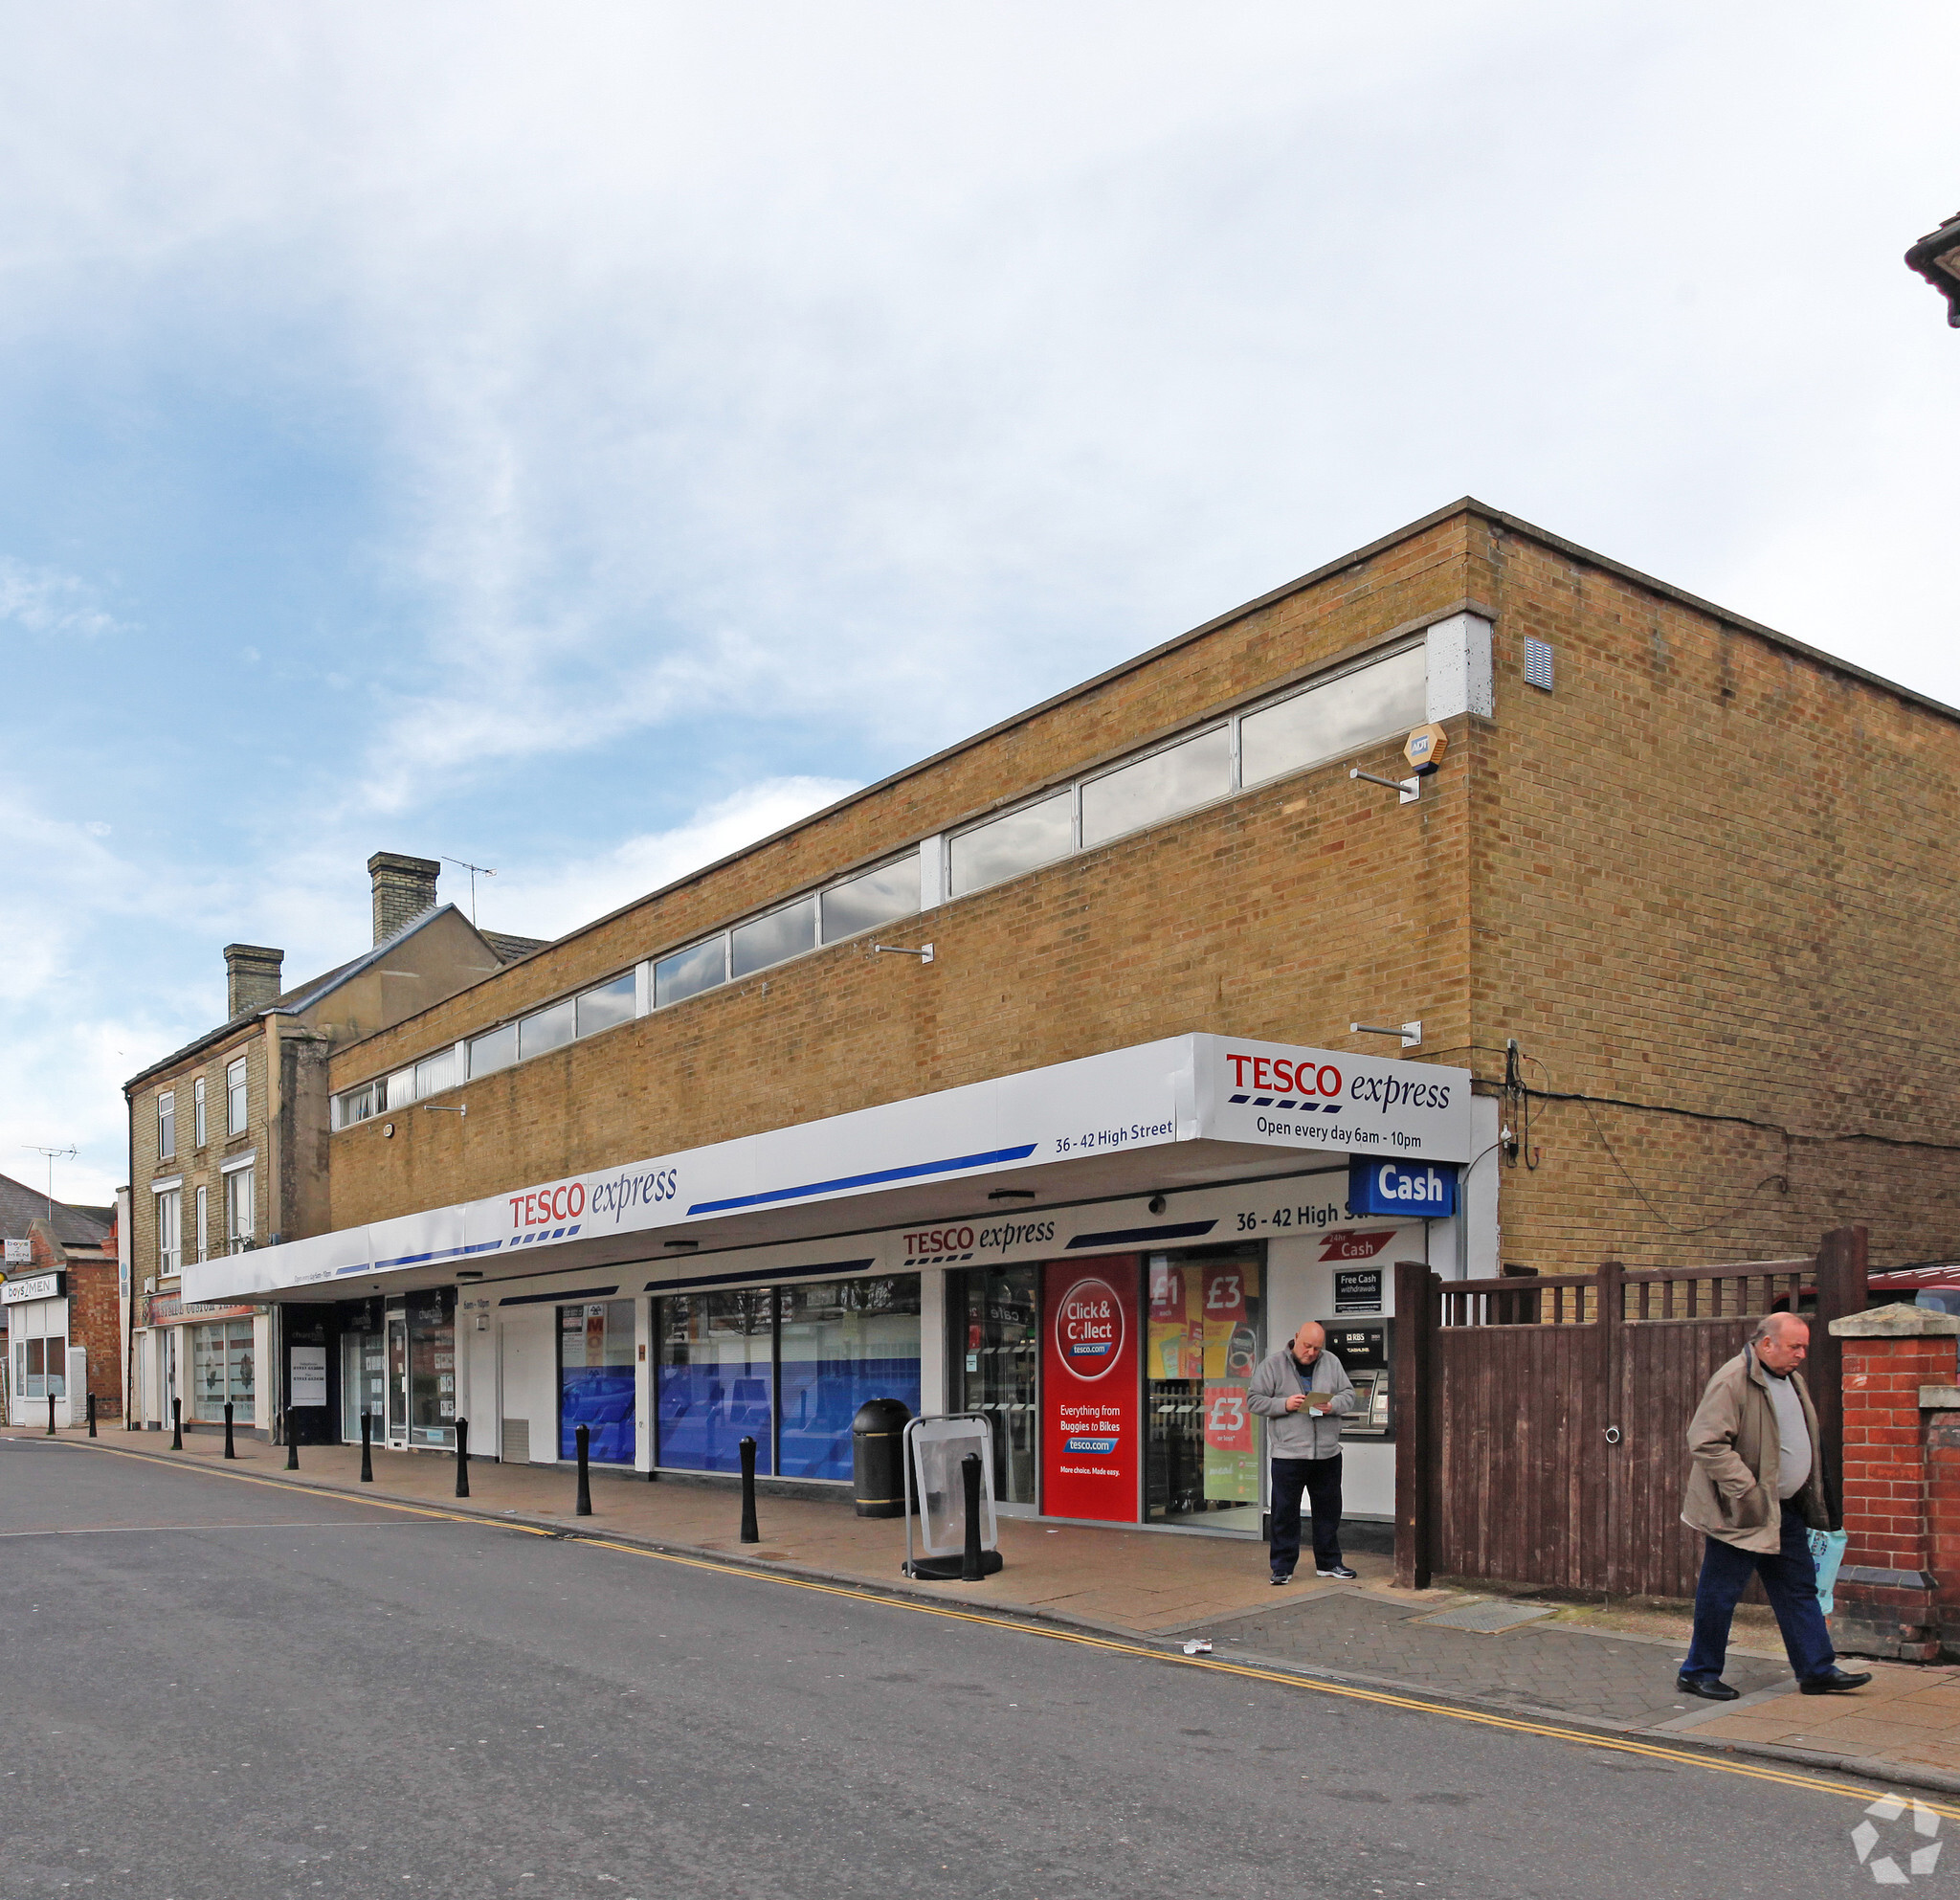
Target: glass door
point(1206, 1335)
point(996, 1351)
point(398, 1380)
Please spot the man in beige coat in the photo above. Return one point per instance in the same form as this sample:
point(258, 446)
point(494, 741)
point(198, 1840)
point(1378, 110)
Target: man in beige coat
point(1756, 1492)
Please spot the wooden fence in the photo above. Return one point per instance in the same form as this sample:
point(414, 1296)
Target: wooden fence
point(1541, 1424)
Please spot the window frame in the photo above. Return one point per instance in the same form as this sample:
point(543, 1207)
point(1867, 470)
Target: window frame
point(238, 1096)
point(166, 1124)
point(169, 1223)
point(233, 1195)
point(197, 1115)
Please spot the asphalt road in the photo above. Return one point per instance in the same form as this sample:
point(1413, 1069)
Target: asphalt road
point(217, 1687)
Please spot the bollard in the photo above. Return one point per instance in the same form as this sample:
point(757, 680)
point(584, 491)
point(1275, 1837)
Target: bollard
point(972, 1569)
point(749, 1533)
point(51, 1415)
point(229, 1452)
point(462, 1458)
point(367, 1448)
point(584, 1506)
point(176, 1424)
point(292, 1444)
point(90, 1415)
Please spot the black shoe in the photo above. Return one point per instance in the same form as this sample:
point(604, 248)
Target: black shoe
point(1278, 1579)
point(1711, 1688)
point(1840, 1681)
point(1339, 1570)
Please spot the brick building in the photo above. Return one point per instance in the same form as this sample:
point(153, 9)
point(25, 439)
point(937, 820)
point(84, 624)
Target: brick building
point(61, 1310)
point(1661, 924)
point(228, 1134)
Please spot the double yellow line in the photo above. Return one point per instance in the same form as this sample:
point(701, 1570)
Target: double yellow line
point(1110, 1645)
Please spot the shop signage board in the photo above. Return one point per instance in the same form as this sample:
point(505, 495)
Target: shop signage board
point(1358, 1290)
point(19, 1253)
point(1401, 1187)
point(35, 1286)
point(1092, 1408)
point(1197, 1088)
point(309, 1375)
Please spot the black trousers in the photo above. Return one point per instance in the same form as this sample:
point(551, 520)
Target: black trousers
point(1320, 1477)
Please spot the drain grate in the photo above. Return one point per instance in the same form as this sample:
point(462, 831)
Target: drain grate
point(1489, 1616)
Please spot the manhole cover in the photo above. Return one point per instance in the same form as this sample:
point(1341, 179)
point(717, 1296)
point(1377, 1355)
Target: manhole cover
point(1488, 1617)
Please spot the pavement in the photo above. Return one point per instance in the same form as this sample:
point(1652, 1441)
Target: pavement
point(1605, 1668)
point(303, 1693)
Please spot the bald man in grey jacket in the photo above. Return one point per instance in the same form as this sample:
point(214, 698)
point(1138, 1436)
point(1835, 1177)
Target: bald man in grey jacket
point(1302, 1391)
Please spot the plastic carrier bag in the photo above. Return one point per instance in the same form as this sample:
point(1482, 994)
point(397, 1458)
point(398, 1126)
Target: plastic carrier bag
point(1827, 1552)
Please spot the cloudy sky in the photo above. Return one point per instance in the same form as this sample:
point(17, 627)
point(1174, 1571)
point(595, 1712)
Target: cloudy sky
point(578, 439)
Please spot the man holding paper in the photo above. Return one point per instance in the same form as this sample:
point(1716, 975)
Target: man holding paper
point(1300, 1391)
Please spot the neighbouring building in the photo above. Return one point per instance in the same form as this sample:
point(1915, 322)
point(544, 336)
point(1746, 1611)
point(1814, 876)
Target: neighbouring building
point(61, 1315)
point(228, 1135)
point(1473, 900)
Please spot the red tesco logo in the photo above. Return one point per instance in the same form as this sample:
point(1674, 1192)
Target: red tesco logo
point(1276, 1075)
point(548, 1205)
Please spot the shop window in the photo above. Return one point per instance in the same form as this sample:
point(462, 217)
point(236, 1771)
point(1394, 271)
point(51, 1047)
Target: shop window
point(40, 1367)
point(236, 1106)
point(772, 939)
point(1205, 1337)
point(997, 1343)
point(841, 1342)
point(436, 1073)
point(595, 1380)
point(1377, 701)
point(170, 1230)
point(494, 1051)
point(1158, 786)
point(431, 1368)
point(166, 1124)
point(878, 897)
point(690, 972)
point(364, 1380)
point(223, 1367)
point(1022, 841)
point(715, 1377)
point(610, 1004)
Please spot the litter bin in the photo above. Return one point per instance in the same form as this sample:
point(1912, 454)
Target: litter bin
point(878, 1470)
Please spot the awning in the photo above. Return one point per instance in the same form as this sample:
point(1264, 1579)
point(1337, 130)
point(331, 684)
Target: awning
point(1182, 1112)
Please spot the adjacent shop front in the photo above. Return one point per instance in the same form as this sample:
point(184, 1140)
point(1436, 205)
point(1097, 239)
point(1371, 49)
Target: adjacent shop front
point(38, 1342)
point(1093, 1256)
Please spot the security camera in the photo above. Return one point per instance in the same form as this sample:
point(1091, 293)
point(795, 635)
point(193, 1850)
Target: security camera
point(1158, 1203)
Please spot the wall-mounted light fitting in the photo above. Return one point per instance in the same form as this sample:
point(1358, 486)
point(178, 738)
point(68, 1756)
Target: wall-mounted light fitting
point(1409, 789)
point(446, 1108)
point(1411, 1033)
point(923, 952)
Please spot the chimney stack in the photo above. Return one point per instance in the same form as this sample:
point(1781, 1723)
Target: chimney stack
point(251, 977)
point(404, 887)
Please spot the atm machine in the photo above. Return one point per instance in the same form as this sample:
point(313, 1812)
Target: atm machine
point(1367, 1349)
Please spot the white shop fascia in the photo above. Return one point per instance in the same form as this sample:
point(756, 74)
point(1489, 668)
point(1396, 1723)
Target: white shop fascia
point(1171, 1118)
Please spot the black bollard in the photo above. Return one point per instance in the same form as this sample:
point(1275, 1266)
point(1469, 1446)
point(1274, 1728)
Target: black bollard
point(462, 1458)
point(749, 1533)
point(51, 1415)
point(584, 1438)
point(176, 1424)
point(972, 1569)
point(292, 1444)
point(367, 1448)
point(229, 1451)
point(90, 1415)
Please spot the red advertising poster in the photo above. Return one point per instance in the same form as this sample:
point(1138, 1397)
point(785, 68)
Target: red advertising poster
point(1092, 1442)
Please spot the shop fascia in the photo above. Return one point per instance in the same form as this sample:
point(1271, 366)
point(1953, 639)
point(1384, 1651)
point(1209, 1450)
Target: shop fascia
point(1180, 1115)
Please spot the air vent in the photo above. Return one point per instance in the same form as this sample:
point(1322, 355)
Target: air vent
point(1538, 664)
point(515, 1445)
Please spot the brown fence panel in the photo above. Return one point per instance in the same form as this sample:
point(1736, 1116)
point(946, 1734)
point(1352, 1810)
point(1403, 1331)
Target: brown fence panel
point(1664, 1365)
point(1517, 1498)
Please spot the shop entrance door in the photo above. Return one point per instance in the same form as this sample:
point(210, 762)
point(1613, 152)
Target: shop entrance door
point(399, 1381)
point(997, 1349)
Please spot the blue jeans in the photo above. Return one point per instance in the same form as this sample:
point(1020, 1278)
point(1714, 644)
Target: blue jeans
point(1790, 1581)
point(1320, 1477)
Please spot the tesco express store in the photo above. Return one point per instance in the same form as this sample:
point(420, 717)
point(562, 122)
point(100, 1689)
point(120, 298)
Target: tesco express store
point(1096, 1255)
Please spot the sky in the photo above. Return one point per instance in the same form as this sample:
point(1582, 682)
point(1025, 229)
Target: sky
point(579, 441)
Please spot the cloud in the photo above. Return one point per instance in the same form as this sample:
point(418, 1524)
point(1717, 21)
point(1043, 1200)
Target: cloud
point(45, 602)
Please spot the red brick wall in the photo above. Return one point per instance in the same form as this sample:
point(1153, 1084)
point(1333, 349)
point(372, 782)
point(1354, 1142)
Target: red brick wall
point(1885, 1466)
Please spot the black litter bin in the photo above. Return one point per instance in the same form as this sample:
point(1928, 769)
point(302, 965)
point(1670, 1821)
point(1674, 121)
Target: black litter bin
point(877, 1457)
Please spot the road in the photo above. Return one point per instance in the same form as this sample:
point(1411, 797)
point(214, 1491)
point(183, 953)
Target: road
point(220, 1687)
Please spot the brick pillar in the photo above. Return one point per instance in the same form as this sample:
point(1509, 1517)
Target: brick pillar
point(1899, 1366)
